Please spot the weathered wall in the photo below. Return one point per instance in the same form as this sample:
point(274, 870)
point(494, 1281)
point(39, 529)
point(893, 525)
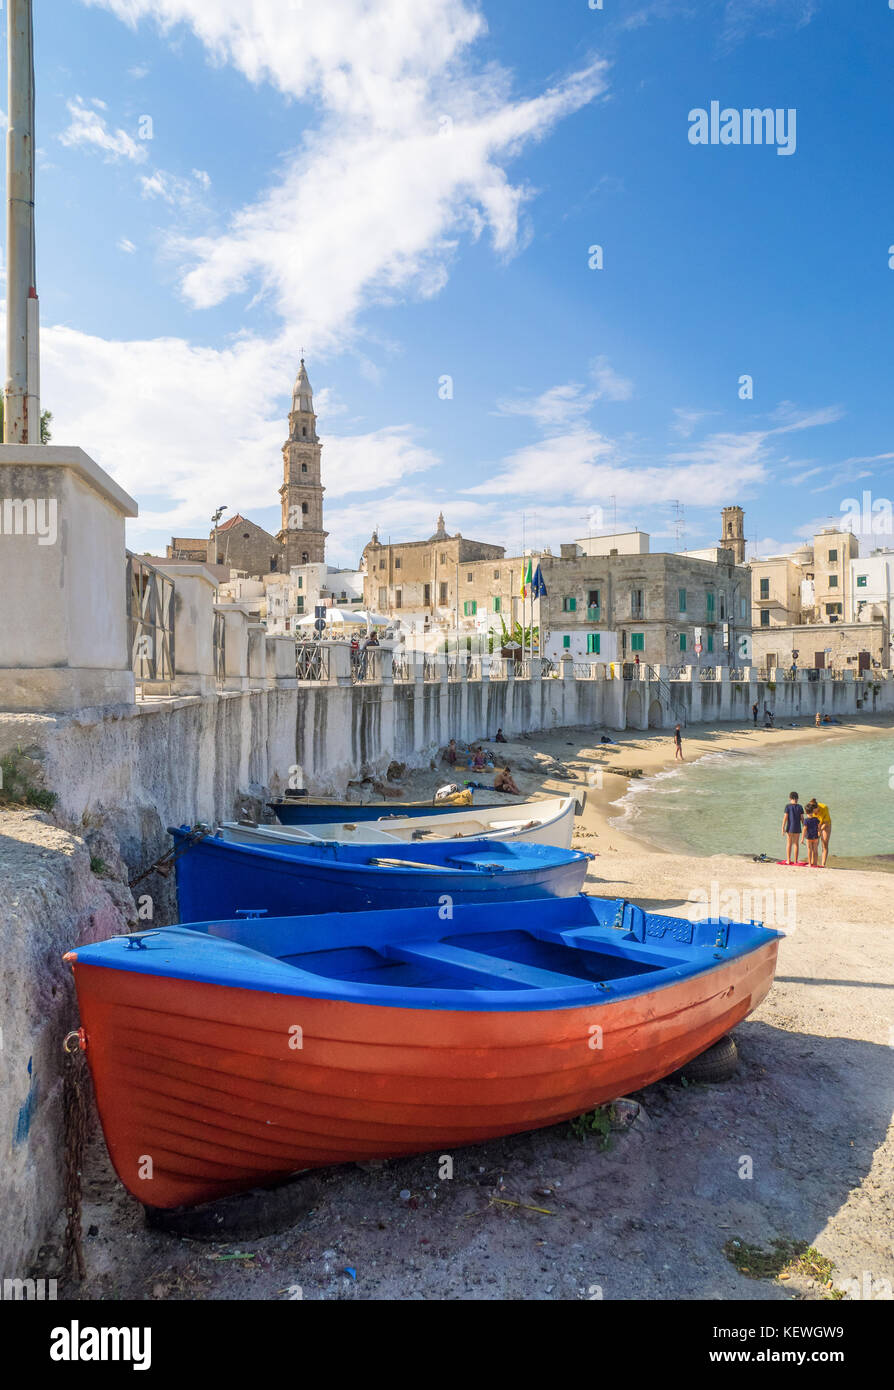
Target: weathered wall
point(50, 900)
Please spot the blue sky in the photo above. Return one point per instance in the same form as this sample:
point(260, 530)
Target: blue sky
point(409, 191)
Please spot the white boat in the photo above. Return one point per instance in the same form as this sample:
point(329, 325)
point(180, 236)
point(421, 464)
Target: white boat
point(546, 822)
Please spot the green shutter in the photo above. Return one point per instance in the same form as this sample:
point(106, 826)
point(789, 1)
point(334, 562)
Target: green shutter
point(681, 600)
point(566, 641)
point(710, 598)
point(682, 641)
point(710, 641)
point(637, 641)
point(496, 604)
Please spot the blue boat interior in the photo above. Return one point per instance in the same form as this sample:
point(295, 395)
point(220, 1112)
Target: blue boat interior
point(539, 954)
point(476, 856)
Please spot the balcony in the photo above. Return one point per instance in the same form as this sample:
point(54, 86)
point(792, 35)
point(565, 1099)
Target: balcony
point(594, 613)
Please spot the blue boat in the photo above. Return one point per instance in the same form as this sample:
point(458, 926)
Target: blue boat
point(218, 878)
point(241, 1051)
point(299, 811)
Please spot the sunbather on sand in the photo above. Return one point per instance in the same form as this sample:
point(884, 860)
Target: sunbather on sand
point(504, 781)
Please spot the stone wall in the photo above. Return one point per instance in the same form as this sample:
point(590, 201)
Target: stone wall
point(50, 901)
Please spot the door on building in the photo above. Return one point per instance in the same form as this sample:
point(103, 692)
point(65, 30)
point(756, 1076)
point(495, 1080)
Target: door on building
point(865, 661)
point(819, 661)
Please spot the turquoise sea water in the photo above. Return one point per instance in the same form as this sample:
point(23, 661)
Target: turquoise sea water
point(731, 803)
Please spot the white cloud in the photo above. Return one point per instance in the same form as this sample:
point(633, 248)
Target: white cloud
point(177, 192)
point(686, 420)
point(571, 402)
point(558, 406)
point(370, 462)
point(88, 128)
point(765, 18)
point(609, 385)
point(406, 159)
point(590, 467)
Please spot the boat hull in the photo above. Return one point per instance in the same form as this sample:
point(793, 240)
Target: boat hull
point(546, 822)
point(202, 1091)
point(216, 878)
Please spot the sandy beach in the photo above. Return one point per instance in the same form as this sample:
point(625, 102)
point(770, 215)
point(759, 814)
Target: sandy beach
point(550, 1216)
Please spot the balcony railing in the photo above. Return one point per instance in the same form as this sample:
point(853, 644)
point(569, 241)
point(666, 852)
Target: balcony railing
point(594, 613)
point(150, 622)
point(311, 661)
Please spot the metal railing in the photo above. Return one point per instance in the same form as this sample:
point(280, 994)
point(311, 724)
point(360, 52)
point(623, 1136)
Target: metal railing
point(366, 667)
point(707, 673)
point(400, 668)
point(432, 666)
point(311, 661)
point(149, 595)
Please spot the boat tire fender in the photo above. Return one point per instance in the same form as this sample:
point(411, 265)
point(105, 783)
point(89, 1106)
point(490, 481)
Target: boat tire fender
point(719, 1063)
point(263, 1211)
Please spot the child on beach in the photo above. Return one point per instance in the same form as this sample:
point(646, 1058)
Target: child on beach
point(792, 818)
point(678, 745)
point(821, 811)
point(811, 835)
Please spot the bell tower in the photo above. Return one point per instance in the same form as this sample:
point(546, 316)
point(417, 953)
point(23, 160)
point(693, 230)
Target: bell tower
point(302, 535)
point(733, 532)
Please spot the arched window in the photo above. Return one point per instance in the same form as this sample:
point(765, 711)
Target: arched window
point(304, 430)
point(304, 557)
point(304, 468)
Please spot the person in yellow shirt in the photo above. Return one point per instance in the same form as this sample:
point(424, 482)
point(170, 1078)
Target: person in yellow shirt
point(816, 808)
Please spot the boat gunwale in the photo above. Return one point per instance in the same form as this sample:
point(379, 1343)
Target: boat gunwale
point(279, 977)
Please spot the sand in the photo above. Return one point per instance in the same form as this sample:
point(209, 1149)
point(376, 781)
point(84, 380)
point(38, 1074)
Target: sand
point(798, 1146)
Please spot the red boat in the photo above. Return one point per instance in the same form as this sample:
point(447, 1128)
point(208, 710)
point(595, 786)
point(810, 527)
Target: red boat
point(232, 1054)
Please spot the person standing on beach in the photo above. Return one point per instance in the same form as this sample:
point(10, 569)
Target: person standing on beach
point(678, 745)
point(792, 818)
point(811, 835)
point(821, 812)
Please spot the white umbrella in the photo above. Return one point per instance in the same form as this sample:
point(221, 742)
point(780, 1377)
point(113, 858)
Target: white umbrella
point(336, 617)
point(372, 619)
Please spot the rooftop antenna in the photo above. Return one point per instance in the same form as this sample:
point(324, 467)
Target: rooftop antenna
point(679, 523)
point(21, 416)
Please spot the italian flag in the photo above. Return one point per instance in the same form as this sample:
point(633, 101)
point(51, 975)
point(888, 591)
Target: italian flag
point(526, 580)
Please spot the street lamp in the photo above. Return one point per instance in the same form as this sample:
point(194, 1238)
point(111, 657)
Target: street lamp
point(215, 521)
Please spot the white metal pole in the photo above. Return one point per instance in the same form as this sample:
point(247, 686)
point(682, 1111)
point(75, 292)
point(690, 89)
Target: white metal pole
point(22, 402)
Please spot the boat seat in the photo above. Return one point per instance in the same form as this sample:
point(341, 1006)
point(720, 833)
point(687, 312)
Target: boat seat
point(465, 962)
